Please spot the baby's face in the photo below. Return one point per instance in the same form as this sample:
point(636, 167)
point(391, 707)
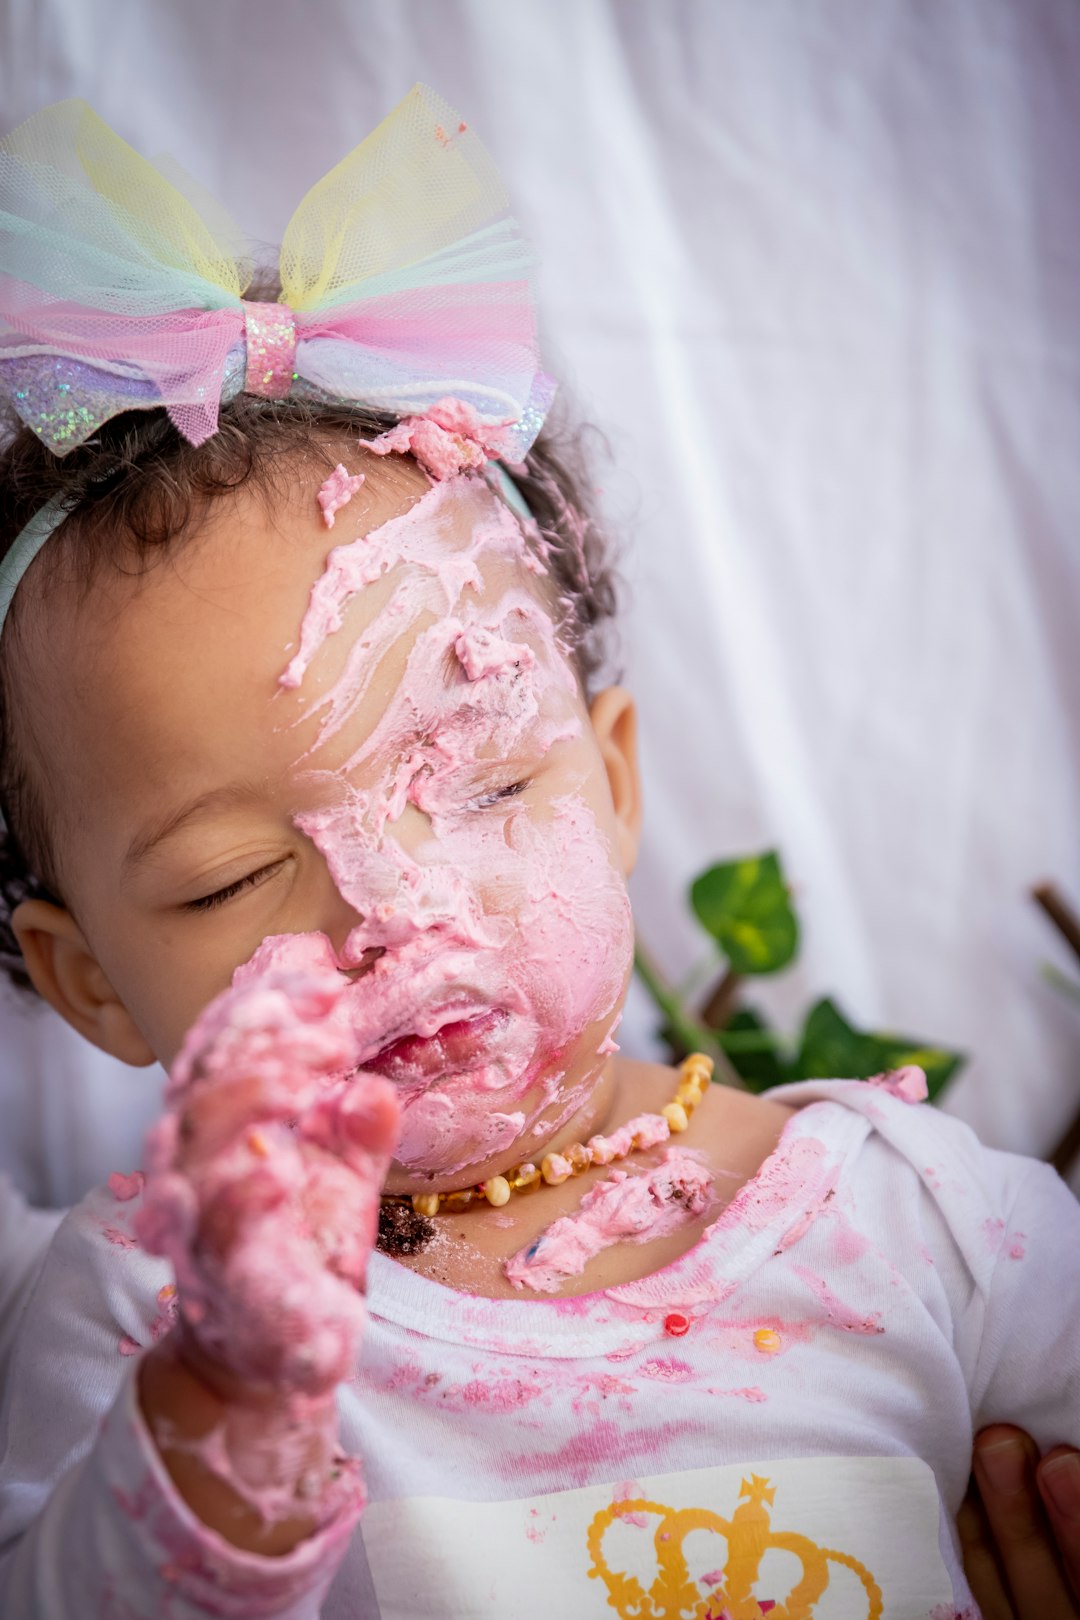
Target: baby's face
point(401, 780)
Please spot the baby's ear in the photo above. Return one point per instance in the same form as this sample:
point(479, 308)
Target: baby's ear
point(614, 719)
point(65, 971)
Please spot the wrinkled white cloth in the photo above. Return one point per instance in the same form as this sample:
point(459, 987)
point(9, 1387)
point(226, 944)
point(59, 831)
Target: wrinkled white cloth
point(880, 1289)
point(25, 1235)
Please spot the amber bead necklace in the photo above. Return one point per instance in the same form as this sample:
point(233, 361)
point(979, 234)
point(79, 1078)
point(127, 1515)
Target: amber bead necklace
point(695, 1073)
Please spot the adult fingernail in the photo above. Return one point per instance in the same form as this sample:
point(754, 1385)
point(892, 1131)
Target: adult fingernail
point(1061, 1477)
point(1003, 1463)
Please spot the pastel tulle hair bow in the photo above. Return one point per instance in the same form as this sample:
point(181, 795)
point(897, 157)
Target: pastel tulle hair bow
point(404, 281)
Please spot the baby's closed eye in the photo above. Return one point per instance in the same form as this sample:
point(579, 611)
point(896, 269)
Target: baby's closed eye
point(230, 891)
point(485, 801)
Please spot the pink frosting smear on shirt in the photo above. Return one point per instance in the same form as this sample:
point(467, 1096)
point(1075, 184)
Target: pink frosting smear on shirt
point(625, 1208)
point(337, 491)
point(837, 1313)
point(908, 1083)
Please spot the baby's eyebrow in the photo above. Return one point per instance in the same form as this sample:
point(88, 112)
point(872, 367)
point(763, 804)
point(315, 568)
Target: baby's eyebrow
point(231, 796)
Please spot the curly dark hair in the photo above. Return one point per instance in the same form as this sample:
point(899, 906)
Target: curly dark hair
point(137, 487)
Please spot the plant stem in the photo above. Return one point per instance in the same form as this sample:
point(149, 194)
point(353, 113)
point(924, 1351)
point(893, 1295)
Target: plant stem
point(721, 1002)
point(686, 1031)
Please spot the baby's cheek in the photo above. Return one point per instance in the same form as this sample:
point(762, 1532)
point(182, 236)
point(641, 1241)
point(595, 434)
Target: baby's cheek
point(575, 936)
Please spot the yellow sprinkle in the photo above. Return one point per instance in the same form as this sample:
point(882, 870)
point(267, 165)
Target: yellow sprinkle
point(767, 1340)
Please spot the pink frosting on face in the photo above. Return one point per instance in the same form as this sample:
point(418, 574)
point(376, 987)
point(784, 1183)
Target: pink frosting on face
point(264, 1178)
point(337, 491)
point(478, 931)
point(481, 652)
point(624, 1209)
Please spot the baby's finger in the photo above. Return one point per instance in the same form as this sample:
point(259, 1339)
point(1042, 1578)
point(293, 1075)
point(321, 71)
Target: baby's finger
point(1059, 1483)
point(1005, 1462)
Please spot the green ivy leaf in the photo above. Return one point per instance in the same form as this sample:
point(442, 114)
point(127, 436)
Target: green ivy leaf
point(746, 908)
point(759, 1070)
point(831, 1048)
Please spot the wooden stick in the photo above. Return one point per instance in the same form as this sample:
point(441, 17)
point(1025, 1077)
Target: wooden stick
point(1060, 913)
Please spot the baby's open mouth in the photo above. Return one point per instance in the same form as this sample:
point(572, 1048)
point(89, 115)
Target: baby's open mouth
point(461, 1043)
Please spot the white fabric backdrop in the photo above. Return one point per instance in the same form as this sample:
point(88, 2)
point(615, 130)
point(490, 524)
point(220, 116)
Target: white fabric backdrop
point(815, 268)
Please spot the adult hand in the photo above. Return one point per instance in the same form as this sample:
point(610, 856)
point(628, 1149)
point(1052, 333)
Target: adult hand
point(1020, 1528)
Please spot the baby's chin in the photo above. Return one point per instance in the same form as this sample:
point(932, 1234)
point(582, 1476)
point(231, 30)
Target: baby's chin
point(461, 1132)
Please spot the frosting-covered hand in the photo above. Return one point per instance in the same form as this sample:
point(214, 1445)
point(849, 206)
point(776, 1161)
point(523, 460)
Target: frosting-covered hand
point(263, 1181)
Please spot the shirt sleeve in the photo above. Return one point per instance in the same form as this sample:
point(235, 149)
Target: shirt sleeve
point(89, 1519)
point(1028, 1368)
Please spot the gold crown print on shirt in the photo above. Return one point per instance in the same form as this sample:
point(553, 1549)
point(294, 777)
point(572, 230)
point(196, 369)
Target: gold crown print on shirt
point(733, 1588)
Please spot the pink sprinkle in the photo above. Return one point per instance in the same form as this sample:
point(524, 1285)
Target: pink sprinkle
point(1016, 1246)
point(123, 1240)
point(124, 1188)
point(908, 1083)
point(129, 1346)
point(337, 491)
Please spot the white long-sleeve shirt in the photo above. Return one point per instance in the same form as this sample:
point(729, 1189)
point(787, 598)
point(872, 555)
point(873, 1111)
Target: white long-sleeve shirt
point(806, 1380)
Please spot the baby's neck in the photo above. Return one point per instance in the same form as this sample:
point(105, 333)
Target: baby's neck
point(733, 1132)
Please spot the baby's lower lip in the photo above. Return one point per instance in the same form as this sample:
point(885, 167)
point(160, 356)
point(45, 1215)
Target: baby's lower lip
point(458, 1045)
